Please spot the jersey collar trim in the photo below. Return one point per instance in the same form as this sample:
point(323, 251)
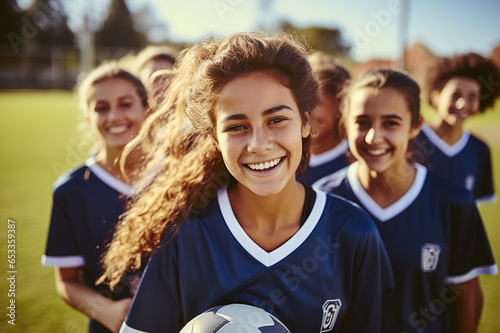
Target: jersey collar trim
point(330, 155)
point(384, 214)
point(448, 150)
point(108, 179)
point(270, 258)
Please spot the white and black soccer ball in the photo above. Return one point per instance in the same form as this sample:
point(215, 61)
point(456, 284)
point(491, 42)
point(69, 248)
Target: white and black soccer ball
point(235, 318)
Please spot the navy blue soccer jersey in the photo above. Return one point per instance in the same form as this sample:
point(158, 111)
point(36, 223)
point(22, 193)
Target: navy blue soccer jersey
point(87, 203)
point(329, 277)
point(326, 163)
point(467, 162)
point(435, 239)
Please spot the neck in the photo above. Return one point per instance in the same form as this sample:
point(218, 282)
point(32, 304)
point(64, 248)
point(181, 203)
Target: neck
point(271, 220)
point(385, 188)
point(108, 159)
point(449, 134)
point(323, 144)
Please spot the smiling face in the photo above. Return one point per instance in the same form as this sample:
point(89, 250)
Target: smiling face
point(259, 133)
point(115, 109)
point(458, 100)
point(379, 127)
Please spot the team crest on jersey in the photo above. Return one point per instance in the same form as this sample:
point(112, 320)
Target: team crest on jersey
point(430, 257)
point(469, 182)
point(331, 310)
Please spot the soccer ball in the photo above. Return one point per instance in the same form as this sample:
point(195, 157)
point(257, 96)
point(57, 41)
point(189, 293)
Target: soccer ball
point(235, 318)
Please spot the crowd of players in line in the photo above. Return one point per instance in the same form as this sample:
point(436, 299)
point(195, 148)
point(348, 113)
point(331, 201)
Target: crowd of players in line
point(215, 168)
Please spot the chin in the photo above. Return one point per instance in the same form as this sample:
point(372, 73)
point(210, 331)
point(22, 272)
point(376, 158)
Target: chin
point(265, 190)
point(116, 145)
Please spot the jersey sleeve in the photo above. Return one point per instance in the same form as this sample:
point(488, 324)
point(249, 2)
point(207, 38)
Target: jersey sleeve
point(62, 248)
point(156, 305)
point(484, 191)
point(373, 282)
point(470, 253)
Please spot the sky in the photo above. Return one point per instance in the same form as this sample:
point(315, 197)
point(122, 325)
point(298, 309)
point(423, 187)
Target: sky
point(373, 28)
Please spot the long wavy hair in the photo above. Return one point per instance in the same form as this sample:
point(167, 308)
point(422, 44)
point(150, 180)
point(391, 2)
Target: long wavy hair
point(184, 168)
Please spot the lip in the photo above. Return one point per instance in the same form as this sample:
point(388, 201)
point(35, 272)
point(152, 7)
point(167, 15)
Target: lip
point(376, 152)
point(460, 113)
point(117, 129)
point(272, 166)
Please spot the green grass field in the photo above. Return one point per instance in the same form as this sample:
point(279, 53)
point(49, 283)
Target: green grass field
point(40, 140)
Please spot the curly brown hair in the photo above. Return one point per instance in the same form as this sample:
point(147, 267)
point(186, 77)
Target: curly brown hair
point(470, 65)
point(183, 166)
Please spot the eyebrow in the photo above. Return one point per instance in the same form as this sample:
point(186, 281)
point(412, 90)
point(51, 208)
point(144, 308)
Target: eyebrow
point(126, 96)
point(388, 116)
point(241, 116)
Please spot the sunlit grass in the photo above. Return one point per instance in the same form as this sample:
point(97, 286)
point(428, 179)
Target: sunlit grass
point(40, 140)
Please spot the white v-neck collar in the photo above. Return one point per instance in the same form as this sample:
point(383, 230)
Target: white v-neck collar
point(108, 179)
point(330, 155)
point(448, 150)
point(384, 214)
point(270, 258)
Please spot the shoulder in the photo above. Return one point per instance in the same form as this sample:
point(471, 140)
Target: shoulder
point(446, 189)
point(333, 181)
point(71, 180)
point(348, 215)
point(478, 143)
point(201, 218)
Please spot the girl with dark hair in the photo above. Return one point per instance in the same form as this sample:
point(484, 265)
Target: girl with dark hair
point(459, 88)
point(430, 226)
point(329, 148)
point(224, 214)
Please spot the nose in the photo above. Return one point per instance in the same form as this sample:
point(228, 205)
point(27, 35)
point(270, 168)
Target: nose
point(113, 113)
point(373, 136)
point(260, 142)
point(460, 103)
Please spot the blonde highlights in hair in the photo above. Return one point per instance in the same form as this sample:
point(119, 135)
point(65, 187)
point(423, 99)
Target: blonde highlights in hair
point(183, 166)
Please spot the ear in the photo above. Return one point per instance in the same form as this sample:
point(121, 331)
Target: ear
point(306, 128)
point(434, 97)
point(415, 128)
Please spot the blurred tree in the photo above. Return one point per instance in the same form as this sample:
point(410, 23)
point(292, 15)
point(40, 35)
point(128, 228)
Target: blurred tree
point(10, 19)
point(321, 39)
point(51, 22)
point(119, 29)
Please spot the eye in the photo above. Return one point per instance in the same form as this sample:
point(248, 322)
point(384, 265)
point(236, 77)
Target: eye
point(390, 123)
point(362, 123)
point(234, 128)
point(277, 120)
point(126, 104)
point(100, 108)
point(473, 98)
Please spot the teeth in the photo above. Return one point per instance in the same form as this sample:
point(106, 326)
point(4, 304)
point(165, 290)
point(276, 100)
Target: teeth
point(264, 166)
point(117, 129)
point(376, 151)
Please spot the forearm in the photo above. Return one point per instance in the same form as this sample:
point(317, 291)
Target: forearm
point(89, 302)
point(83, 299)
point(467, 309)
